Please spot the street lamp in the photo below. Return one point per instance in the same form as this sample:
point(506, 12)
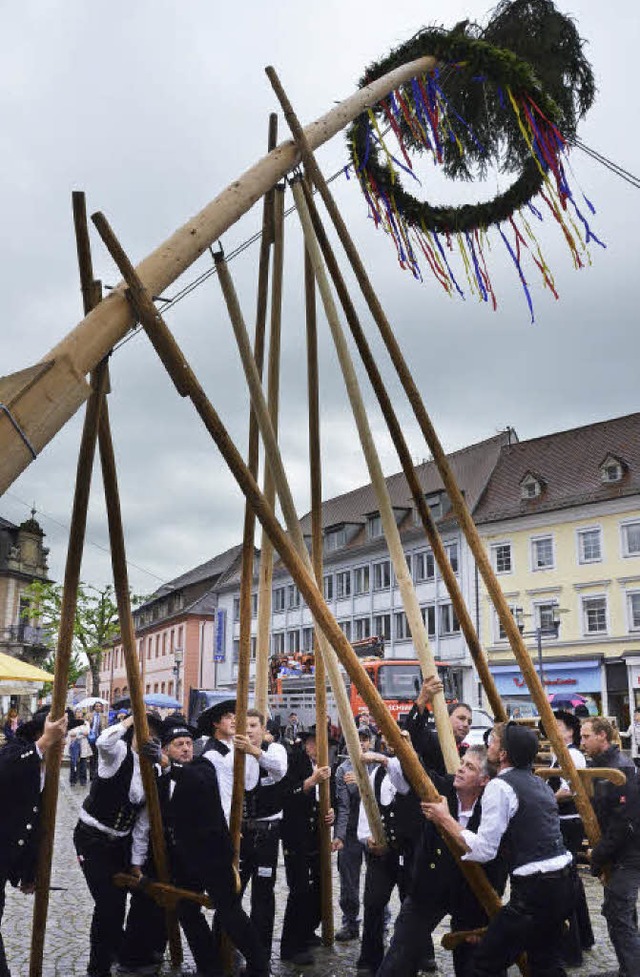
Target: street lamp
point(549, 629)
point(178, 658)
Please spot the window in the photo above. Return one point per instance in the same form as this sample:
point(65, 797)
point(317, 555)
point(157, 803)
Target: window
point(611, 469)
point(155, 686)
point(149, 646)
point(164, 643)
point(501, 557)
point(345, 627)
point(530, 487)
point(401, 626)
point(180, 632)
point(449, 623)
point(157, 646)
point(381, 575)
point(451, 549)
point(236, 608)
point(162, 687)
point(277, 643)
point(382, 626)
point(293, 595)
point(502, 634)
point(374, 526)
point(172, 641)
point(424, 566)
point(334, 539)
point(361, 580)
point(435, 504)
point(343, 584)
point(544, 614)
point(279, 594)
point(589, 546)
point(634, 611)
point(594, 615)
point(307, 639)
point(236, 651)
point(542, 552)
point(254, 605)
point(327, 582)
point(631, 539)
point(429, 617)
point(361, 628)
point(293, 642)
point(170, 688)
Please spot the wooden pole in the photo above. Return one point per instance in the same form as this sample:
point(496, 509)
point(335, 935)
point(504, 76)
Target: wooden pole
point(273, 398)
point(320, 677)
point(392, 534)
point(399, 441)
point(127, 633)
point(248, 553)
point(299, 567)
point(83, 348)
point(457, 500)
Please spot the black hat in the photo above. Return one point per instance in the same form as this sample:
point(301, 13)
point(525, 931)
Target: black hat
point(307, 733)
point(520, 744)
point(571, 721)
point(213, 715)
point(175, 727)
point(32, 730)
point(364, 732)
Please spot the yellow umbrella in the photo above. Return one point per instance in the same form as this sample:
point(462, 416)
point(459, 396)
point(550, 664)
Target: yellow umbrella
point(13, 668)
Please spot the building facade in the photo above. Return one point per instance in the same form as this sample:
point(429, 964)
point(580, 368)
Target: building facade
point(561, 519)
point(23, 560)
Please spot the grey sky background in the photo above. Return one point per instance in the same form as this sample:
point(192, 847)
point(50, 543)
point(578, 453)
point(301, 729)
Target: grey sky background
point(152, 108)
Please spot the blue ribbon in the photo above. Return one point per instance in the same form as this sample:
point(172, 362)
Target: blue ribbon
point(522, 278)
point(448, 267)
point(479, 279)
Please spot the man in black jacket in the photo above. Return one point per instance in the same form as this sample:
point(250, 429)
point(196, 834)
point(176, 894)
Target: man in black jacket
point(22, 769)
point(421, 726)
point(618, 851)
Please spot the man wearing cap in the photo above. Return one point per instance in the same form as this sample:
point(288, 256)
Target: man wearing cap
point(218, 722)
point(616, 857)
point(23, 762)
point(346, 843)
point(201, 852)
point(518, 807)
point(112, 835)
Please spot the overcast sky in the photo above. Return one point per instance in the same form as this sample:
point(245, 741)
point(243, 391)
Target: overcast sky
point(152, 107)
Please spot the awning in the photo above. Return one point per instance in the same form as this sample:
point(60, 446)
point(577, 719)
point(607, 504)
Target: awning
point(15, 670)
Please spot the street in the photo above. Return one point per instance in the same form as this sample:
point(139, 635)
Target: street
point(67, 939)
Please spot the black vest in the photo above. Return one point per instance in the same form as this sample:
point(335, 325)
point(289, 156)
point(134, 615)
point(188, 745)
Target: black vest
point(217, 745)
point(534, 832)
point(266, 798)
point(108, 801)
point(387, 811)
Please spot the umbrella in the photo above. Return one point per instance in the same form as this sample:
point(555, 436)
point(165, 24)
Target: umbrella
point(90, 701)
point(14, 669)
point(562, 700)
point(157, 700)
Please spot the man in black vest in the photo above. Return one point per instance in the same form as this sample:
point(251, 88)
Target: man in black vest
point(112, 835)
point(518, 807)
point(261, 820)
point(22, 768)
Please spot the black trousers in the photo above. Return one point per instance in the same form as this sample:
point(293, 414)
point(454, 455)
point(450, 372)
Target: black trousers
point(100, 857)
point(258, 865)
point(383, 873)
point(579, 935)
point(303, 912)
point(4, 966)
point(531, 922)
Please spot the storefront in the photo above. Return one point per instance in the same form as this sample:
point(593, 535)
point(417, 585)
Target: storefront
point(562, 678)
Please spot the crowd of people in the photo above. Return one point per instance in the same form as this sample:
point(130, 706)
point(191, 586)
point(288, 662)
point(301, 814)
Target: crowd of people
point(494, 811)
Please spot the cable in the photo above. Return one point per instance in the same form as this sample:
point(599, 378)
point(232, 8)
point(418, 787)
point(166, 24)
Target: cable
point(608, 163)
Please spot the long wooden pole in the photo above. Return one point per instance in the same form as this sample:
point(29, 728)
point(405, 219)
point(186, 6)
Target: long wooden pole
point(181, 373)
point(273, 399)
point(392, 534)
point(247, 563)
point(127, 633)
point(455, 495)
point(69, 602)
point(92, 339)
point(320, 677)
point(395, 429)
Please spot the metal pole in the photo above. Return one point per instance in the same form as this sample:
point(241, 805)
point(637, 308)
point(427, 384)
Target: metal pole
point(539, 640)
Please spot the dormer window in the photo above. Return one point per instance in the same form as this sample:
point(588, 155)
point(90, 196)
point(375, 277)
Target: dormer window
point(611, 469)
point(531, 486)
point(334, 539)
point(374, 526)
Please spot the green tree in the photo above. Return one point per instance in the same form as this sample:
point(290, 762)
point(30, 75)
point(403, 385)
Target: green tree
point(95, 628)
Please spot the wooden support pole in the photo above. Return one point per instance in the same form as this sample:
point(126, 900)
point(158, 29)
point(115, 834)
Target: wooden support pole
point(320, 676)
point(273, 399)
point(298, 567)
point(387, 516)
point(127, 634)
point(247, 565)
point(92, 339)
point(274, 460)
point(404, 454)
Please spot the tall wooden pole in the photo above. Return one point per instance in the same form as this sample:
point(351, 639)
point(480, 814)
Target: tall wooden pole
point(456, 498)
point(273, 399)
point(274, 460)
point(248, 554)
point(92, 339)
point(320, 678)
point(392, 534)
point(69, 602)
point(182, 377)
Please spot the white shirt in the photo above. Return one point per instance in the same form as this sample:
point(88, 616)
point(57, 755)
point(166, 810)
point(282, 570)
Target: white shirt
point(112, 752)
point(275, 761)
point(387, 794)
point(579, 762)
point(224, 769)
point(499, 804)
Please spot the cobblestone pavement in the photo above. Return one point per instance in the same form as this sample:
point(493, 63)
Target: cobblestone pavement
point(66, 944)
